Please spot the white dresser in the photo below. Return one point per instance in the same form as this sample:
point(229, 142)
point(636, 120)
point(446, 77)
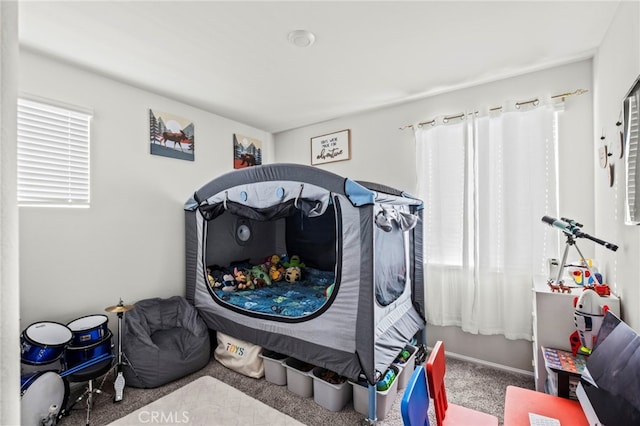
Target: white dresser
point(553, 322)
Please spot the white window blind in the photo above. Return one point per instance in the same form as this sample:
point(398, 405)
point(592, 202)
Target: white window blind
point(53, 155)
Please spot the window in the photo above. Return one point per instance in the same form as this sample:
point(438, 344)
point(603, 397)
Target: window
point(53, 155)
point(483, 177)
point(486, 180)
point(631, 135)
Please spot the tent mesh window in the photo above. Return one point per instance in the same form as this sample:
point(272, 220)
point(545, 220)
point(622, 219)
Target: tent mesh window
point(311, 239)
point(389, 265)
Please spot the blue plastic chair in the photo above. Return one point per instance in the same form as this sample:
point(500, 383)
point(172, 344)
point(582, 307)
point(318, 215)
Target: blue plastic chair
point(415, 399)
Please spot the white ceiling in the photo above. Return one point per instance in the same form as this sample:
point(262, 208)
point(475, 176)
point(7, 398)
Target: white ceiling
point(233, 58)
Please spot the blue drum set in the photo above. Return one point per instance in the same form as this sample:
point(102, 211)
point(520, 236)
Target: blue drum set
point(58, 354)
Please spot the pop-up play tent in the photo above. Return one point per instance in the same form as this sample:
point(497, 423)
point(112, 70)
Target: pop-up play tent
point(309, 264)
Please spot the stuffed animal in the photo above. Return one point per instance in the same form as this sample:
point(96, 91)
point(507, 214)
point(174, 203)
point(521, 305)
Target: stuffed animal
point(241, 279)
point(276, 272)
point(259, 277)
point(292, 274)
point(212, 281)
point(228, 283)
point(294, 262)
point(388, 215)
point(215, 278)
point(274, 260)
point(385, 217)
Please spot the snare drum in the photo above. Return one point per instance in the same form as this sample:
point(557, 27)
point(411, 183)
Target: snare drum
point(44, 342)
point(42, 395)
point(79, 355)
point(88, 330)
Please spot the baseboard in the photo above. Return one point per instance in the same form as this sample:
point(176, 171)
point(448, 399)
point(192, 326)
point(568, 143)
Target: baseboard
point(487, 363)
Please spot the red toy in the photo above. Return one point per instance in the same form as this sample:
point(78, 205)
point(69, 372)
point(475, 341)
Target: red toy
point(601, 289)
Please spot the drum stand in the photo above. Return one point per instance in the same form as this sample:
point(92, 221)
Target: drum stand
point(119, 382)
point(52, 416)
point(89, 374)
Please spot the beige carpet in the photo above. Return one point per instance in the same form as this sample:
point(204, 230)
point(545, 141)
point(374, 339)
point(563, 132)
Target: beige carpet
point(471, 385)
point(207, 401)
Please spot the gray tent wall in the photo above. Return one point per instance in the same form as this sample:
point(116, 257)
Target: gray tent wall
point(354, 334)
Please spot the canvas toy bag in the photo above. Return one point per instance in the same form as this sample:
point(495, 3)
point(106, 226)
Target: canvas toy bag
point(239, 356)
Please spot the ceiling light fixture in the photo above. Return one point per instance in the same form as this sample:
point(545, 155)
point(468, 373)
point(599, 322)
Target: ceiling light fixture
point(301, 38)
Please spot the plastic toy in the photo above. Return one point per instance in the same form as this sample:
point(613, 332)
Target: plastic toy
point(585, 277)
point(386, 382)
point(588, 315)
point(560, 288)
point(577, 276)
point(584, 272)
point(403, 357)
point(601, 289)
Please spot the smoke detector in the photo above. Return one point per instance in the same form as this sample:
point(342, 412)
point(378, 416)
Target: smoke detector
point(301, 38)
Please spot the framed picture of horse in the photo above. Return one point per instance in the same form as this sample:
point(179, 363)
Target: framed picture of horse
point(171, 135)
point(247, 151)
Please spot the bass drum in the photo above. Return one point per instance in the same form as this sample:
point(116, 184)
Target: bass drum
point(75, 356)
point(42, 395)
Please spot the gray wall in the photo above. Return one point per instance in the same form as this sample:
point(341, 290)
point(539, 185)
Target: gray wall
point(380, 152)
point(130, 243)
point(616, 67)
point(9, 240)
point(383, 153)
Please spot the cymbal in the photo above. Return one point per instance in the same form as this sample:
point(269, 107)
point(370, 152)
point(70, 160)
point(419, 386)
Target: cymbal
point(119, 308)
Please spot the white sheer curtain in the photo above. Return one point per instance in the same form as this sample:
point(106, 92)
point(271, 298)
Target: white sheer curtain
point(486, 181)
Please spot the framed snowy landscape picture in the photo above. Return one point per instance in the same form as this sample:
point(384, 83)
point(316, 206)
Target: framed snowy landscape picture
point(171, 136)
point(247, 151)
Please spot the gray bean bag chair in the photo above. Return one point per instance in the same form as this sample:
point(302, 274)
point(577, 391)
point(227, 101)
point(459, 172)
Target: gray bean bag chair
point(163, 340)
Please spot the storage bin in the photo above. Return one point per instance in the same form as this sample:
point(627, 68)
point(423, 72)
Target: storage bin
point(332, 396)
point(384, 399)
point(299, 377)
point(407, 366)
point(274, 370)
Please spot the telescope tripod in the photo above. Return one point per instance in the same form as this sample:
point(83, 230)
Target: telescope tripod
point(559, 282)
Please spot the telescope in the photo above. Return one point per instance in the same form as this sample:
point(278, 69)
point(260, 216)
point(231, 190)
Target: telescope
point(571, 229)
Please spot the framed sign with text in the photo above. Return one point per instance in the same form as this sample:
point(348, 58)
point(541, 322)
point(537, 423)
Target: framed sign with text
point(332, 147)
